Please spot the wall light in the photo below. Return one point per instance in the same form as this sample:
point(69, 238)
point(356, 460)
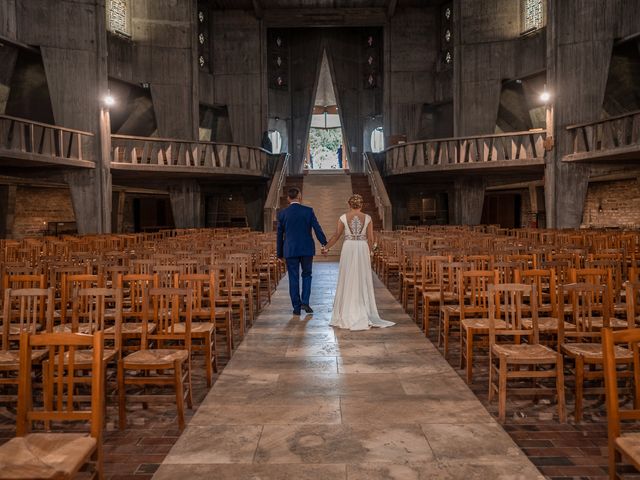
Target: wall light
point(545, 96)
point(109, 101)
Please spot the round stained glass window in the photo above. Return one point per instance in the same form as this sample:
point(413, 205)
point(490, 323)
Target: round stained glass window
point(447, 13)
point(201, 38)
point(201, 61)
point(201, 16)
point(447, 35)
point(448, 58)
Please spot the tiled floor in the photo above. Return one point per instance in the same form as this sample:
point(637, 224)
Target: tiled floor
point(300, 400)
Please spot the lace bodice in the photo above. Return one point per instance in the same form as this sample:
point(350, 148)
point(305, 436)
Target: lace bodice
point(355, 229)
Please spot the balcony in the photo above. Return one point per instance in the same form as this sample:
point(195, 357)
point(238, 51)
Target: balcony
point(612, 139)
point(181, 157)
point(504, 152)
point(24, 143)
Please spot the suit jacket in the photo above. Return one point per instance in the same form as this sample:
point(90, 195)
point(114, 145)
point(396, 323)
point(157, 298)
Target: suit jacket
point(294, 232)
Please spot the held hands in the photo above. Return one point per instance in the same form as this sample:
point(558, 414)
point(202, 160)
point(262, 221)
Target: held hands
point(324, 250)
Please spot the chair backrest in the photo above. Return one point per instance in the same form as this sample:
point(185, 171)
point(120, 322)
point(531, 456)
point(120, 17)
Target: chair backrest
point(506, 302)
point(133, 286)
point(61, 379)
point(165, 276)
point(473, 292)
point(203, 293)
point(26, 309)
point(90, 307)
point(166, 308)
point(632, 299)
point(545, 283)
point(586, 302)
point(72, 283)
point(615, 414)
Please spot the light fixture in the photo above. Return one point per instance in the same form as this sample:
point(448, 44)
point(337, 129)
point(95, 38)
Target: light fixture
point(109, 101)
point(545, 96)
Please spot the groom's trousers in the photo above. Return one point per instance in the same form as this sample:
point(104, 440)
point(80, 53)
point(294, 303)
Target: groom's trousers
point(294, 264)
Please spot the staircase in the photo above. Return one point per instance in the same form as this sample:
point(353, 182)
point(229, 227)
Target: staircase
point(327, 194)
point(360, 185)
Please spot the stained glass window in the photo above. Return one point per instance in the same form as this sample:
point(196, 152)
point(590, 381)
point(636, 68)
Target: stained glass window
point(118, 16)
point(532, 15)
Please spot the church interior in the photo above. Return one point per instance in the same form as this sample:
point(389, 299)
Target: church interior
point(147, 148)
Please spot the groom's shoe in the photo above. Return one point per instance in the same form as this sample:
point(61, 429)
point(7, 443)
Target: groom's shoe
point(296, 312)
point(307, 308)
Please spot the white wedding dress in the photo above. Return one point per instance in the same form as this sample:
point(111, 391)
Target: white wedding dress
point(354, 307)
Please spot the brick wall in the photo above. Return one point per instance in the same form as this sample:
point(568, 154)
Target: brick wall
point(612, 204)
point(35, 207)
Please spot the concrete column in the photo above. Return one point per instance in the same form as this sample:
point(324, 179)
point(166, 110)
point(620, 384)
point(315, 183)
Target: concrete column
point(254, 198)
point(7, 209)
point(572, 182)
point(186, 204)
point(468, 200)
point(87, 205)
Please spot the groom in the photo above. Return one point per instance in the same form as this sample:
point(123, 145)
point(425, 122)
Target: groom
point(295, 244)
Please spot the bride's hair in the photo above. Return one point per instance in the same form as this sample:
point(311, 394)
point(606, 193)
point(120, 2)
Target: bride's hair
point(356, 201)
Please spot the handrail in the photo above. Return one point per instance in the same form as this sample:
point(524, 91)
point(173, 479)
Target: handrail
point(602, 138)
point(380, 195)
point(178, 140)
point(604, 120)
point(504, 149)
point(472, 137)
point(41, 141)
point(163, 153)
point(46, 125)
point(273, 198)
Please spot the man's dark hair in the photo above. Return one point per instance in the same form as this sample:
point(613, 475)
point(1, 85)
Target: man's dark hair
point(293, 193)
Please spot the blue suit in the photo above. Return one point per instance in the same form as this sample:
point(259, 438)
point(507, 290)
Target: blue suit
point(296, 245)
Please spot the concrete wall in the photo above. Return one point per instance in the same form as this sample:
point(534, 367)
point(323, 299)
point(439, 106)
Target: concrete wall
point(411, 53)
point(236, 76)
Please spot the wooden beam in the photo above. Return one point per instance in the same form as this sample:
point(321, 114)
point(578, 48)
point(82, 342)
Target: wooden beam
point(391, 7)
point(257, 9)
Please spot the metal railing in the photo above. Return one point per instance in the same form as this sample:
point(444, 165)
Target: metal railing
point(461, 152)
point(609, 136)
point(166, 153)
point(380, 195)
point(273, 198)
point(25, 139)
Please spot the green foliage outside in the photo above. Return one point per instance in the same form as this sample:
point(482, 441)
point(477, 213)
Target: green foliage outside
point(324, 143)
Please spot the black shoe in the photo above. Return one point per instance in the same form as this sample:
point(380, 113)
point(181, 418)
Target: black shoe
point(307, 308)
point(296, 312)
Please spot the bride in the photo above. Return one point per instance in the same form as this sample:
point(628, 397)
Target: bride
point(354, 307)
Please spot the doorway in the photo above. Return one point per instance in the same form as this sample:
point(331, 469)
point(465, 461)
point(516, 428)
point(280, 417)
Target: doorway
point(325, 148)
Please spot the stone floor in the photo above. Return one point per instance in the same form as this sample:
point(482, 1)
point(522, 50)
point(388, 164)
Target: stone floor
point(300, 400)
point(561, 452)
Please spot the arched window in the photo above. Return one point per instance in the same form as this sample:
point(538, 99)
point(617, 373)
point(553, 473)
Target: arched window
point(377, 140)
point(276, 141)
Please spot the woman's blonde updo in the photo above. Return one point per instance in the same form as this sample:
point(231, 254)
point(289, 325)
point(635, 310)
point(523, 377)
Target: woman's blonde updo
point(356, 201)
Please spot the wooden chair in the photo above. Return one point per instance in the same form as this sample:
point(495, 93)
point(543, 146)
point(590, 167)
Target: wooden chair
point(471, 303)
point(621, 446)
point(170, 306)
point(56, 455)
point(203, 310)
point(506, 360)
point(25, 310)
point(474, 314)
point(133, 286)
point(589, 313)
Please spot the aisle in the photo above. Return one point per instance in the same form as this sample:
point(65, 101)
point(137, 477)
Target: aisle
point(300, 401)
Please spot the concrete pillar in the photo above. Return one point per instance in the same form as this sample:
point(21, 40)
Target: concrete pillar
point(254, 198)
point(186, 204)
point(572, 182)
point(89, 207)
point(468, 200)
point(7, 209)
